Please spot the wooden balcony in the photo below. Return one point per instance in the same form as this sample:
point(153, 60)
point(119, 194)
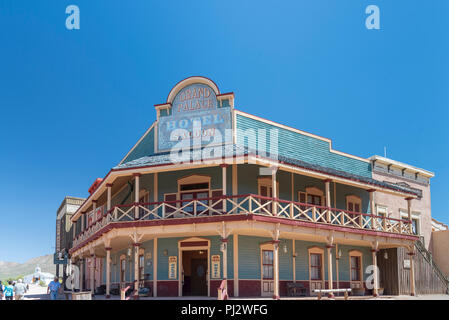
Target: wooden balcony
point(243, 205)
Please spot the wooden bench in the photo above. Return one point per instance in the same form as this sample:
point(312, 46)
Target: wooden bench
point(296, 289)
point(320, 291)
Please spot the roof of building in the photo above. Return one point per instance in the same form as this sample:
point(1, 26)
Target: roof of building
point(402, 165)
point(165, 159)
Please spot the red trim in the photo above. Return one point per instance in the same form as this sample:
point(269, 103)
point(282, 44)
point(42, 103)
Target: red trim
point(236, 217)
point(194, 244)
point(109, 184)
point(163, 104)
point(225, 94)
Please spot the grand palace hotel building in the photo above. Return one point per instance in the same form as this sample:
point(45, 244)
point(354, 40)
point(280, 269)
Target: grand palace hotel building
point(272, 206)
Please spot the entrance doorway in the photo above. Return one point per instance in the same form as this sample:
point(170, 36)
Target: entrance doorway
point(194, 267)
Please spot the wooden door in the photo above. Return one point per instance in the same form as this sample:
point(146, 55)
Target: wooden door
point(198, 277)
point(267, 273)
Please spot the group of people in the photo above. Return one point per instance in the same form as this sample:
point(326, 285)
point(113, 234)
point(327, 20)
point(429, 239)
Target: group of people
point(13, 290)
point(17, 290)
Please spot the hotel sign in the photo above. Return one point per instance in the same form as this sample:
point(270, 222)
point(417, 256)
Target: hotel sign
point(195, 118)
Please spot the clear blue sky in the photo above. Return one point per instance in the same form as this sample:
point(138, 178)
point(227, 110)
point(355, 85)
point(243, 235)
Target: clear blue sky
point(74, 102)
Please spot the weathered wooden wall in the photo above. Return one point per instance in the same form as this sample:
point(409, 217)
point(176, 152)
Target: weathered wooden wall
point(395, 279)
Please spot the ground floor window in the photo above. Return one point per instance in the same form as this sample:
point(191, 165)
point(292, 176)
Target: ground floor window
point(267, 264)
point(355, 266)
point(315, 266)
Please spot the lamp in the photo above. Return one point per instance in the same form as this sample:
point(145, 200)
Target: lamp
point(386, 255)
point(285, 248)
point(339, 254)
point(165, 252)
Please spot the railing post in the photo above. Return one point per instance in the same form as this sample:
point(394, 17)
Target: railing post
point(224, 185)
point(314, 214)
point(274, 190)
point(250, 204)
point(409, 210)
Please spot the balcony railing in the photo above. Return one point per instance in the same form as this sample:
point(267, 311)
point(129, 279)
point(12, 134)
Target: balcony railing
point(245, 204)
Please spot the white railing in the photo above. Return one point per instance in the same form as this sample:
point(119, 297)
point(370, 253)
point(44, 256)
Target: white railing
point(245, 204)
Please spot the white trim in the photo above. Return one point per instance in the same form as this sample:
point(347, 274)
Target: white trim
point(402, 165)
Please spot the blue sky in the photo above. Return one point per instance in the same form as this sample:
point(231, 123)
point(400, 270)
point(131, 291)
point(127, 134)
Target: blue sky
point(74, 102)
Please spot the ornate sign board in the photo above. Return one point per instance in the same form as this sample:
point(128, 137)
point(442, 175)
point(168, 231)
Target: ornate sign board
point(195, 115)
point(172, 266)
point(215, 266)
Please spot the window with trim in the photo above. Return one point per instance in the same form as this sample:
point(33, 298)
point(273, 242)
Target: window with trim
point(354, 204)
point(355, 265)
point(316, 266)
point(416, 221)
point(267, 264)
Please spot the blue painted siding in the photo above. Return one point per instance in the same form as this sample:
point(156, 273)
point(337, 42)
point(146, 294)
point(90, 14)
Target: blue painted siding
point(298, 146)
point(144, 148)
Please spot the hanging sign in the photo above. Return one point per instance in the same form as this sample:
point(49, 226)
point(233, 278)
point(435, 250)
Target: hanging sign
point(172, 264)
point(215, 266)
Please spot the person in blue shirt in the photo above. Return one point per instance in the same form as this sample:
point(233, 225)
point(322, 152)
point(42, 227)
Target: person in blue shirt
point(9, 291)
point(53, 288)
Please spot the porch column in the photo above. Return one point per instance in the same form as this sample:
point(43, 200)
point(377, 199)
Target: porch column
point(235, 257)
point(330, 279)
point(294, 259)
point(136, 271)
point(327, 183)
point(274, 189)
point(74, 230)
point(136, 195)
point(108, 203)
point(82, 220)
point(223, 174)
point(108, 272)
point(81, 274)
point(155, 267)
point(376, 276)
point(411, 254)
point(224, 243)
point(372, 208)
point(92, 273)
point(337, 261)
point(276, 269)
point(409, 211)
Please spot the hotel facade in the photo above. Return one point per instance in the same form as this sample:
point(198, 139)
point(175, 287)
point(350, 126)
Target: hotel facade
point(212, 199)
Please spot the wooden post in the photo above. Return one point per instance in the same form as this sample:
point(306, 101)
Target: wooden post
point(82, 274)
point(224, 242)
point(108, 204)
point(376, 276)
point(409, 211)
point(274, 190)
point(337, 261)
point(236, 264)
point(223, 177)
point(276, 269)
point(92, 273)
point(294, 260)
point(330, 285)
point(412, 271)
point(136, 270)
point(136, 195)
point(328, 199)
point(108, 272)
point(155, 267)
point(372, 208)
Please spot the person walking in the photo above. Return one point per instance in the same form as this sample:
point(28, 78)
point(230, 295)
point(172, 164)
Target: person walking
point(1, 290)
point(19, 289)
point(53, 288)
point(9, 291)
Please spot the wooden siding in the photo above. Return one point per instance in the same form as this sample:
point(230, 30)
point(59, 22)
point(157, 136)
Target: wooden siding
point(298, 146)
point(395, 279)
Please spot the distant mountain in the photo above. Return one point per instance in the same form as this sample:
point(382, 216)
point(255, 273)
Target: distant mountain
point(15, 269)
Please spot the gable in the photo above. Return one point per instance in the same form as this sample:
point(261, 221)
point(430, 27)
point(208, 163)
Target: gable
point(144, 147)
